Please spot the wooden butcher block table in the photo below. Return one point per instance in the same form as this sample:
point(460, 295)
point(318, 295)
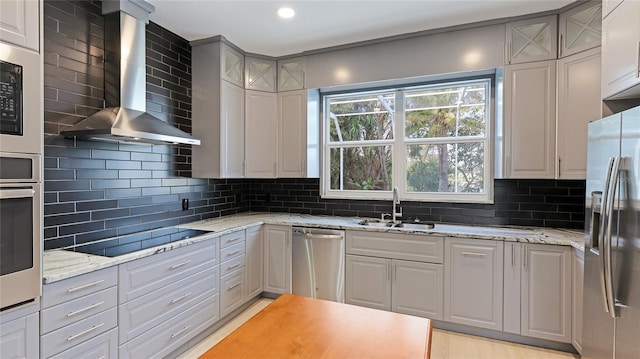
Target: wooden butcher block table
point(301, 327)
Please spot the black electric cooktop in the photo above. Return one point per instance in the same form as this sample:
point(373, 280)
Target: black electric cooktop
point(124, 244)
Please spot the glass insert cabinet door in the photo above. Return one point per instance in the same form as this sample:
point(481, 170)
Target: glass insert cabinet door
point(580, 28)
point(532, 40)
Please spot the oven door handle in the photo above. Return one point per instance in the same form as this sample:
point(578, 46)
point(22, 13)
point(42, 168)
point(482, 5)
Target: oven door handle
point(17, 193)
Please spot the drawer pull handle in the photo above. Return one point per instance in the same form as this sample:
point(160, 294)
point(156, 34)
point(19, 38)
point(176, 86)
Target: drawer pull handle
point(473, 254)
point(180, 298)
point(234, 252)
point(102, 357)
point(232, 240)
point(71, 290)
point(235, 285)
point(92, 306)
point(181, 331)
point(176, 266)
point(233, 266)
point(84, 332)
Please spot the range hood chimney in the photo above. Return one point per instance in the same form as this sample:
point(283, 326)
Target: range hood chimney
point(125, 118)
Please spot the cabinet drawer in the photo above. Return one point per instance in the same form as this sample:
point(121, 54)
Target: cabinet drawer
point(103, 346)
point(145, 275)
point(70, 312)
point(143, 313)
point(76, 333)
point(232, 251)
point(231, 292)
point(166, 337)
point(232, 264)
point(76, 287)
point(415, 247)
point(231, 239)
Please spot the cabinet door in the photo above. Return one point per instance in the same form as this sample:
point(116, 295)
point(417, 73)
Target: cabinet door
point(232, 293)
point(368, 282)
point(20, 23)
point(529, 120)
point(473, 282)
point(232, 65)
point(580, 28)
point(260, 74)
point(546, 292)
point(20, 338)
point(277, 259)
point(291, 74)
point(261, 135)
point(417, 289)
point(231, 130)
point(577, 289)
point(578, 104)
point(511, 296)
point(254, 261)
point(532, 40)
point(621, 51)
point(608, 6)
point(292, 134)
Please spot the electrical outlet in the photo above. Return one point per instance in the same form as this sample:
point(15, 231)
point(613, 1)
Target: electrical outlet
point(185, 204)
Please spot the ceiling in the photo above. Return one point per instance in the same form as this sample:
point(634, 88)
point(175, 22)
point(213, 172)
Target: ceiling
point(254, 26)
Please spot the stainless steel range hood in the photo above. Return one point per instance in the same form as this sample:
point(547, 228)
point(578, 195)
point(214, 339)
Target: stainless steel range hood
point(125, 118)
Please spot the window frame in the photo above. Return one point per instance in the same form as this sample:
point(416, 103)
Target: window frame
point(399, 145)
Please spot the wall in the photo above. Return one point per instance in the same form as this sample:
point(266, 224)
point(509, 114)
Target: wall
point(540, 203)
point(98, 190)
point(465, 50)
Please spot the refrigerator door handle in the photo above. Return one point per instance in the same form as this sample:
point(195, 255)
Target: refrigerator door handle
point(602, 235)
point(608, 272)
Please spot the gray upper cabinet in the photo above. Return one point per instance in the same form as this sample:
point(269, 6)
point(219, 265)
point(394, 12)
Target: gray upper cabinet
point(260, 74)
point(473, 282)
point(546, 292)
point(291, 74)
point(620, 52)
point(20, 23)
point(232, 65)
point(530, 119)
point(608, 6)
point(532, 40)
point(580, 28)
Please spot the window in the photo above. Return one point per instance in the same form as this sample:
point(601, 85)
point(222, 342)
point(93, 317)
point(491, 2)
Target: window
point(433, 142)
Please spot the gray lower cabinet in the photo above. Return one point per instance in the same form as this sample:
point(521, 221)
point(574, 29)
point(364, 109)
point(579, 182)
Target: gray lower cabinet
point(232, 291)
point(161, 340)
point(577, 289)
point(417, 288)
point(546, 292)
point(79, 310)
point(19, 337)
point(378, 274)
point(473, 282)
point(104, 345)
point(277, 259)
point(168, 298)
point(537, 291)
point(368, 282)
point(254, 262)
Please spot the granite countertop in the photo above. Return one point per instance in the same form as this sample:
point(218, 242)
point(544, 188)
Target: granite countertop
point(62, 264)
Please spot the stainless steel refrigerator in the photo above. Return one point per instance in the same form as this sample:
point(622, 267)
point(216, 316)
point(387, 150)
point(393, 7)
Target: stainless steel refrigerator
point(611, 315)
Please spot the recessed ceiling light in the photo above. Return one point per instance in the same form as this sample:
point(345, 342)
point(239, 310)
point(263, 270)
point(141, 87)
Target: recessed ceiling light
point(286, 12)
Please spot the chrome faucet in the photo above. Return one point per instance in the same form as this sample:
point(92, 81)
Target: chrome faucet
point(396, 201)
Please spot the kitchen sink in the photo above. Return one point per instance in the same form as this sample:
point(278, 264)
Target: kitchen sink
point(406, 225)
point(376, 223)
point(415, 225)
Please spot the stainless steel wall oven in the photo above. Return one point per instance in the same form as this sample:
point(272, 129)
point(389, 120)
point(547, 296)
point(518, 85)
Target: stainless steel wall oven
point(20, 232)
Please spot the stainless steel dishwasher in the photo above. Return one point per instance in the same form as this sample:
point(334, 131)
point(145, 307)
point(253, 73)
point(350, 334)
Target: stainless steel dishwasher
point(318, 263)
